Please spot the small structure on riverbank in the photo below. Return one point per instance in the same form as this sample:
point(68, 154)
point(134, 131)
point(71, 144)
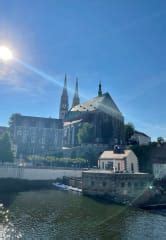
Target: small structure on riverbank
point(118, 160)
point(118, 187)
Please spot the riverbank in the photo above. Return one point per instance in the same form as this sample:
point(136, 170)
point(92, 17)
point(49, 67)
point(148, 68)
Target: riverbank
point(10, 185)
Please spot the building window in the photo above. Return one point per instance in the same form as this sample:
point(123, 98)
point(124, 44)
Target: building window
point(104, 184)
point(135, 184)
point(102, 165)
point(19, 133)
point(122, 184)
point(33, 123)
point(32, 139)
point(118, 166)
point(110, 166)
point(129, 184)
point(132, 167)
point(43, 140)
point(47, 124)
point(92, 183)
point(141, 184)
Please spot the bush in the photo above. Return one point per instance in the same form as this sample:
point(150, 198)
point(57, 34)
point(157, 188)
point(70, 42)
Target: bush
point(5, 149)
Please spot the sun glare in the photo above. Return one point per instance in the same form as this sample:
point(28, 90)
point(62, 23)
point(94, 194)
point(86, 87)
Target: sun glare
point(5, 53)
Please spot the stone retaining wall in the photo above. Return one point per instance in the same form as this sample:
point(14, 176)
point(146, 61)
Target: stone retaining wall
point(120, 187)
point(37, 174)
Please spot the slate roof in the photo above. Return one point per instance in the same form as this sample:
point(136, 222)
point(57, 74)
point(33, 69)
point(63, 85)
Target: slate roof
point(141, 133)
point(103, 103)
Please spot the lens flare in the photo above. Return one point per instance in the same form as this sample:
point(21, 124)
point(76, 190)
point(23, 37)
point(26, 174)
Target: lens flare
point(5, 53)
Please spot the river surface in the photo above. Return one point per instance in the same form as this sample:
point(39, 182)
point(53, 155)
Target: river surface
point(62, 215)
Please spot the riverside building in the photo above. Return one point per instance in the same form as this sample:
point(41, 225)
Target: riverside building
point(35, 135)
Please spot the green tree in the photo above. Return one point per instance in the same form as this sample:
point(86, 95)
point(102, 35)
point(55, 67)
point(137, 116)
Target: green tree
point(73, 154)
point(86, 133)
point(129, 131)
point(5, 149)
point(91, 157)
point(13, 117)
point(160, 140)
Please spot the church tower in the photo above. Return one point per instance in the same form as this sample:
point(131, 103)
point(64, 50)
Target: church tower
point(76, 99)
point(64, 104)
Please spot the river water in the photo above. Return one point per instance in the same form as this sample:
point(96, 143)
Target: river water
point(60, 215)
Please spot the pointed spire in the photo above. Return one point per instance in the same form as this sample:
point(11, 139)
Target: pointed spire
point(76, 99)
point(99, 91)
point(65, 81)
point(76, 90)
point(64, 104)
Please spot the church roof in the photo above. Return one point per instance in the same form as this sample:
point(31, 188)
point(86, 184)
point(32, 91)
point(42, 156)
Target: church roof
point(103, 103)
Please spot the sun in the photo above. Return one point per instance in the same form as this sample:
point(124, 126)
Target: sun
point(5, 53)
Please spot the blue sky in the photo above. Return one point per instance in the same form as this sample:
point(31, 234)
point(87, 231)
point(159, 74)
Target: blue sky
point(120, 43)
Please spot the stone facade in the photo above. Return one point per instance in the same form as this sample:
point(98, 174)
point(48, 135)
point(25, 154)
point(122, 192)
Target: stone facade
point(103, 114)
point(70, 133)
point(35, 135)
point(120, 187)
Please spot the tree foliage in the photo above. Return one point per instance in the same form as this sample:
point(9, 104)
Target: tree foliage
point(86, 133)
point(129, 131)
point(91, 157)
point(13, 117)
point(160, 140)
point(5, 149)
point(145, 156)
point(54, 161)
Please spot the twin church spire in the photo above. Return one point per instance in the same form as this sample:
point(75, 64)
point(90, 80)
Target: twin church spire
point(64, 103)
point(76, 99)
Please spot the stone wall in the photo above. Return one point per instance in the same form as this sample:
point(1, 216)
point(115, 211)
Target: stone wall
point(73, 181)
point(37, 173)
point(120, 187)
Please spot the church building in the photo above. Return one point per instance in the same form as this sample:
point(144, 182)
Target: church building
point(100, 112)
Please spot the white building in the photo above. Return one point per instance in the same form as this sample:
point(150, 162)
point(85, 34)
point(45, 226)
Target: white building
point(141, 138)
point(125, 161)
point(159, 168)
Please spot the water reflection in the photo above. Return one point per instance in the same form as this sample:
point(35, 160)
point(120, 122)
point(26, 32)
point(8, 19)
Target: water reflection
point(64, 215)
point(7, 229)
